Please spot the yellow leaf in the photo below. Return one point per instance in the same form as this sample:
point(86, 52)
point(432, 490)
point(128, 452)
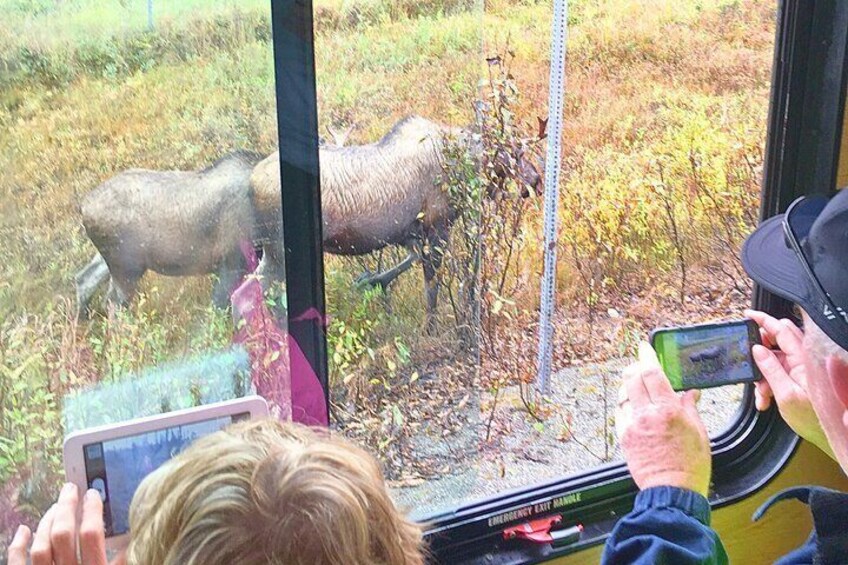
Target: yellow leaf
point(497, 307)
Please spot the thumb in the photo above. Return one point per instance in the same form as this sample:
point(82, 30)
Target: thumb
point(769, 365)
point(837, 372)
point(690, 401)
point(647, 355)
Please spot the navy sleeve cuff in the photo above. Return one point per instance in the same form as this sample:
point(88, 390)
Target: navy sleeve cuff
point(688, 501)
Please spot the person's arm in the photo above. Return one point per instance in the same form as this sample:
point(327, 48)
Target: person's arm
point(667, 451)
point(666, 525)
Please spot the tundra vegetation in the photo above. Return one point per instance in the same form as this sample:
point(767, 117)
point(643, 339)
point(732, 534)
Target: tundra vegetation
point(664, 133)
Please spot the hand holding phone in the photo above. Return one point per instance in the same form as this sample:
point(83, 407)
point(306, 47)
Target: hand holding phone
point(114, 459)
point(708, 355)
point(51, 542)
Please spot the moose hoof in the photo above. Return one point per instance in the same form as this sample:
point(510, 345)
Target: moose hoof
point(365, 278)
point(369, 280)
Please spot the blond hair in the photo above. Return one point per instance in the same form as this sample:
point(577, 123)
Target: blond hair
point(266, 492)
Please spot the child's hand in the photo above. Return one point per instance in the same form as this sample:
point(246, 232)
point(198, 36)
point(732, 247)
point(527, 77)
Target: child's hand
point(59, 532)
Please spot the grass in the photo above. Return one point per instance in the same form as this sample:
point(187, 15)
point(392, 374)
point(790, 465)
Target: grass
point(665, 123)
point(45, 23)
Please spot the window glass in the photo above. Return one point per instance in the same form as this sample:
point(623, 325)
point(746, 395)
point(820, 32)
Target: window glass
point(665, 121)
point(432, 151)
point(401, 201)
point(130, 133)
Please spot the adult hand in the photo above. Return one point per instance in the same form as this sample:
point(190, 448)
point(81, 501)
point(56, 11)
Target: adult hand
point(785, 377)
point(661, 434)
point(59, 531)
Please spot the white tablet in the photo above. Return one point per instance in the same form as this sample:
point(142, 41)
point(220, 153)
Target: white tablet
point(114, 459)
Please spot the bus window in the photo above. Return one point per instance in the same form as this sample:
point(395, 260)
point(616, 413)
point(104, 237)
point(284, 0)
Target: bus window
point(432, 153)
point(131, 131)
point(665, 124)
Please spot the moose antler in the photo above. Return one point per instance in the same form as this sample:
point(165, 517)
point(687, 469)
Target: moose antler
point(340, 137)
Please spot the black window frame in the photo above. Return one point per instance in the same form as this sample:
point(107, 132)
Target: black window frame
point(297, 131)
point(802, 152)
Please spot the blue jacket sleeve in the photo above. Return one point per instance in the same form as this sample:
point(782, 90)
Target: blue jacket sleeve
point(667, 525)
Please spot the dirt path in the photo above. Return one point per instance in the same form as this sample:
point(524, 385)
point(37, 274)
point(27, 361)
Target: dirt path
point(523, 451)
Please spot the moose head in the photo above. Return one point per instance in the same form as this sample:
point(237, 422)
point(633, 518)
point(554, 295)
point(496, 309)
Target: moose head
point(510, 157)
point(513, 161)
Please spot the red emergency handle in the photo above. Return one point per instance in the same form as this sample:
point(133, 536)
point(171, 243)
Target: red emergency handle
point(538, 531)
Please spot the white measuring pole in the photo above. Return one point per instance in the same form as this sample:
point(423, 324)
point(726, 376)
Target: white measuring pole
point(559, 29)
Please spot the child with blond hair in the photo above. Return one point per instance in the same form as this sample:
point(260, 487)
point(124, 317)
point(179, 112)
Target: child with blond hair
point(256, 492)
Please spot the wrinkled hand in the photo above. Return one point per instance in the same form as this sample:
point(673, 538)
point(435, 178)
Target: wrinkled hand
point(661, 434)
point(59, 531)
point(785, 377)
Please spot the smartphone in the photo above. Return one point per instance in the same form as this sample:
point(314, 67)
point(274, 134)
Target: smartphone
point(114, 459)
point(708, 355)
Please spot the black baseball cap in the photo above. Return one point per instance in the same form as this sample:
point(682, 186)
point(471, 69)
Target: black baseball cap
point(802, 256)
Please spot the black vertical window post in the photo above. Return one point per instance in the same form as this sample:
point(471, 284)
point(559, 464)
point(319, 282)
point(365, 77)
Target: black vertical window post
point(806, 111)
point(297, 123)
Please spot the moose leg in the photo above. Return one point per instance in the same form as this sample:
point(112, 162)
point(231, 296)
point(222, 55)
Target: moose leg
point(384, 279)
point(272, 267)
point(87, 280)
point(123, 286)
point(230, 275)
point(272, 272)
point(431, 261)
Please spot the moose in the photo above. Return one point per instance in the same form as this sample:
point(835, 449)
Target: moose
point(381, 194)
point(182, 223)
point(713, 357)
point(176, 223)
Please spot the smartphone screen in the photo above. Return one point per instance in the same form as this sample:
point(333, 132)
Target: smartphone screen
point(116, 467)
point(708, 355)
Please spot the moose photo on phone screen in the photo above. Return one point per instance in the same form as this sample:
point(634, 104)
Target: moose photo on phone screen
point(707, 355)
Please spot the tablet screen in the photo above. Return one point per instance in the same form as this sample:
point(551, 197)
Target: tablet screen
point(116, 467)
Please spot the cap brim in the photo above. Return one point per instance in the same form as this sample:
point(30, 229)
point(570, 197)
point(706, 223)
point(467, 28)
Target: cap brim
point(774, 266)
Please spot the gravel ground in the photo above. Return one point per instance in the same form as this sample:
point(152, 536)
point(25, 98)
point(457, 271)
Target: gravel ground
point(524, 452)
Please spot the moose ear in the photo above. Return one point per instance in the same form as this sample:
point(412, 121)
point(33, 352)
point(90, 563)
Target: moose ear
point(339, 137)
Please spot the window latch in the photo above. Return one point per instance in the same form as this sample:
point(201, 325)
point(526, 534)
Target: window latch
point(542, 531)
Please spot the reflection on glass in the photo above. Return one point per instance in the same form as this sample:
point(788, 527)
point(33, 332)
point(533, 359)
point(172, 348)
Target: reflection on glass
point(662, 153)
point(130, 235)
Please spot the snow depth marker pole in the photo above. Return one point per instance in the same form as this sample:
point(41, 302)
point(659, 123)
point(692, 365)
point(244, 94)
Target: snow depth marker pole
point(559, 28)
